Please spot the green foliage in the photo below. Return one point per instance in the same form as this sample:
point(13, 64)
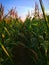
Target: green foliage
point(31, 36)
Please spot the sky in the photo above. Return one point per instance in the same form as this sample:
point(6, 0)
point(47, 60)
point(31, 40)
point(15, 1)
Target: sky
point(23, 6)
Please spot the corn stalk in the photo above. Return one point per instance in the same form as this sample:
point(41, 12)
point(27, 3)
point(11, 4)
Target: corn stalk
point(4, 49)
point(43, 10)
point(46, 21)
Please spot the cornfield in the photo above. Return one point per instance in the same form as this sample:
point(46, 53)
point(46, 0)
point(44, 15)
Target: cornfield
point(25, 43)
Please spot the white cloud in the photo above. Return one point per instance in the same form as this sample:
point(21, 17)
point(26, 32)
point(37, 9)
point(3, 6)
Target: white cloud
point(23, 11)
point(47, 11)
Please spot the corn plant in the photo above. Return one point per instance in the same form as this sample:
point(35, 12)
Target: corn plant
point(24, 44)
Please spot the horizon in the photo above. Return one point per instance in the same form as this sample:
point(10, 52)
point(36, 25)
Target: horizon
point(23, 6)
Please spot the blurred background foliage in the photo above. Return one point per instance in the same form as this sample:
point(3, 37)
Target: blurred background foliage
point(24, 43)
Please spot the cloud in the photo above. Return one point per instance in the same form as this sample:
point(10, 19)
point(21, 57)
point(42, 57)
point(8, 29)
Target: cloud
point(47, 11)
point(23, 11)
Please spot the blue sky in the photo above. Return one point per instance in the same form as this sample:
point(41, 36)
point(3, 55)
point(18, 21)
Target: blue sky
point(22, 6)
